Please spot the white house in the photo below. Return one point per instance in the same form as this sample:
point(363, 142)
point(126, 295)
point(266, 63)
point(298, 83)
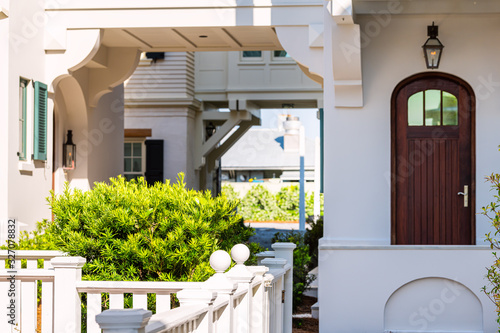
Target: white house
point(406, 147)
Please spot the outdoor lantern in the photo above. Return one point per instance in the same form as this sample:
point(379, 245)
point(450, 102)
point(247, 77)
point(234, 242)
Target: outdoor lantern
point(210, 129)
point(432, 47)
point(69, 153)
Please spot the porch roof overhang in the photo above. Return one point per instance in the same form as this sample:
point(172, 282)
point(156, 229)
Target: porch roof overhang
point(189, 25)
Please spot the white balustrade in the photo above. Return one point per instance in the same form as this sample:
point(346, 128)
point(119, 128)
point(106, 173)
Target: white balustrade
point(245, 299)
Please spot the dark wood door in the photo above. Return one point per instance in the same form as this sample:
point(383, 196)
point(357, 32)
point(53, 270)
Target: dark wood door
point(432, 161)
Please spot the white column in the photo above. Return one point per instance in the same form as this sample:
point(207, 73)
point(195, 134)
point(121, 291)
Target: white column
point(203, 297)
point(258, 313)
point(220, 283)
point(285, 251)
point(277, 317)
point(241, 275)
point(67, 311)
point(123, 321)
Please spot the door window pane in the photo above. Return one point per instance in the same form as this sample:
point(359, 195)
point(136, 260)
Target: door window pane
point(450, 109)
point(432, 107)
point(416, 109)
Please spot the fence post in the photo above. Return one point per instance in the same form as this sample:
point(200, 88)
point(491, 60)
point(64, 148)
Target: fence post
point(220, 283)
point(123, 320)
point(285, 251)
point(275, 293)
point(258, 314)
point(67, 311)
point(241, 275)
point(199, 296)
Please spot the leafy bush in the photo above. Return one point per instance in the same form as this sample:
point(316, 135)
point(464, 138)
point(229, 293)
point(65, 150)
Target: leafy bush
point(130, 231)
point(259, 204)
point(311, 238)
point(492, 212)
point(301, 263)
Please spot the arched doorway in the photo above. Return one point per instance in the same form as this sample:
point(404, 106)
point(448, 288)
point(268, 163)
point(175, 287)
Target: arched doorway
point(433, 192)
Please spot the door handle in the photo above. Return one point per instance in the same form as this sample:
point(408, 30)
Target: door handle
point(465, 193)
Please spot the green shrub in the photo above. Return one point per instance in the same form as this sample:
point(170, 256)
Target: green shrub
point(130, 231)
point(492, 212)
point(259, 204)
point(311, 238)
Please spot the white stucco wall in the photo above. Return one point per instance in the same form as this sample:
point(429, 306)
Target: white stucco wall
point(27, 190)
point(4, 123)
point(105, 136)
point(363, 181)
point(355, 280)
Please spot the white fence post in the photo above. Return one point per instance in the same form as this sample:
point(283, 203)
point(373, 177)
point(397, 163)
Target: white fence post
point(199, 296)
point(285, 251)
point(67, 311)
point(275, 294)
point(258, 314)
point(220, 283)
point(123, 320)
point(241, 275)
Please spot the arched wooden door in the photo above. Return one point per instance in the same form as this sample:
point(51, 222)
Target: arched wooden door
point(433, 192)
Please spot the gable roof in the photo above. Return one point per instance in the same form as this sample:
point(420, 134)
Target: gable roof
point(262, 149)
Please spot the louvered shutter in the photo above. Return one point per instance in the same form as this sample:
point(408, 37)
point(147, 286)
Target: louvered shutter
point(154, 161)
point(40, 144)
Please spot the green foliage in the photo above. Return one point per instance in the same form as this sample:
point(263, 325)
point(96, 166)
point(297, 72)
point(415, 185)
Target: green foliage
point(492, 212)
point(301, 263)
point(130, 231)
point(259, 204)
point(311, 238)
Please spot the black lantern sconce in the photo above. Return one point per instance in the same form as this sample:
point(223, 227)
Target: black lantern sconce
point(69, 153)
point(210, 129)
point(432, 47)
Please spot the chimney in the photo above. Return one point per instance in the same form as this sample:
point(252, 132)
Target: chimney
point(291, 138)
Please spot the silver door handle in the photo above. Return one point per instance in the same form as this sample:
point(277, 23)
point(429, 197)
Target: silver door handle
point(465, 193)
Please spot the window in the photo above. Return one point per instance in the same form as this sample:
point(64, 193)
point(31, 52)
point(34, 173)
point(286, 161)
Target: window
point(134, 161)
point(22, 118)
point(432, 108)
point(252, 54)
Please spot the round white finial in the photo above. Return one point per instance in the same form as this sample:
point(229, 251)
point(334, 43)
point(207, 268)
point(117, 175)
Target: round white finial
point(220, 261)
point(240, 253)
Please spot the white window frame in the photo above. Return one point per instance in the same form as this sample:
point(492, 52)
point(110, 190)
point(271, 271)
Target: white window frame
point(252, 59)
point(143, 155)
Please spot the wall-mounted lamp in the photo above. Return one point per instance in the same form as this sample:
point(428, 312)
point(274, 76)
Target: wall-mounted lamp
point(210, 129)
point(69, 153)
point(432, 47)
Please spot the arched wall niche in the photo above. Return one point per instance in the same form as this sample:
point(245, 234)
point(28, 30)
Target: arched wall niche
point(433, 304)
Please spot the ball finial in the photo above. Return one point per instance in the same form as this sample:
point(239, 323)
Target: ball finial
point(220, 261)
point(240, 253)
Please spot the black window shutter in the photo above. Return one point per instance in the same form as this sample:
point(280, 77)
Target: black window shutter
point(154, 161)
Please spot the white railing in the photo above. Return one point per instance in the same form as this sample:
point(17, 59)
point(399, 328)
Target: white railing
point(246, 299)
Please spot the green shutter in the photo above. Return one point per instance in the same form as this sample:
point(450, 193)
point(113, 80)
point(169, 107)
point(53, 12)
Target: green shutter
point(40, 144)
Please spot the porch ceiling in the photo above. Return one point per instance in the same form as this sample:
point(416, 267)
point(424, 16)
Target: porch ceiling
point(193, 38)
